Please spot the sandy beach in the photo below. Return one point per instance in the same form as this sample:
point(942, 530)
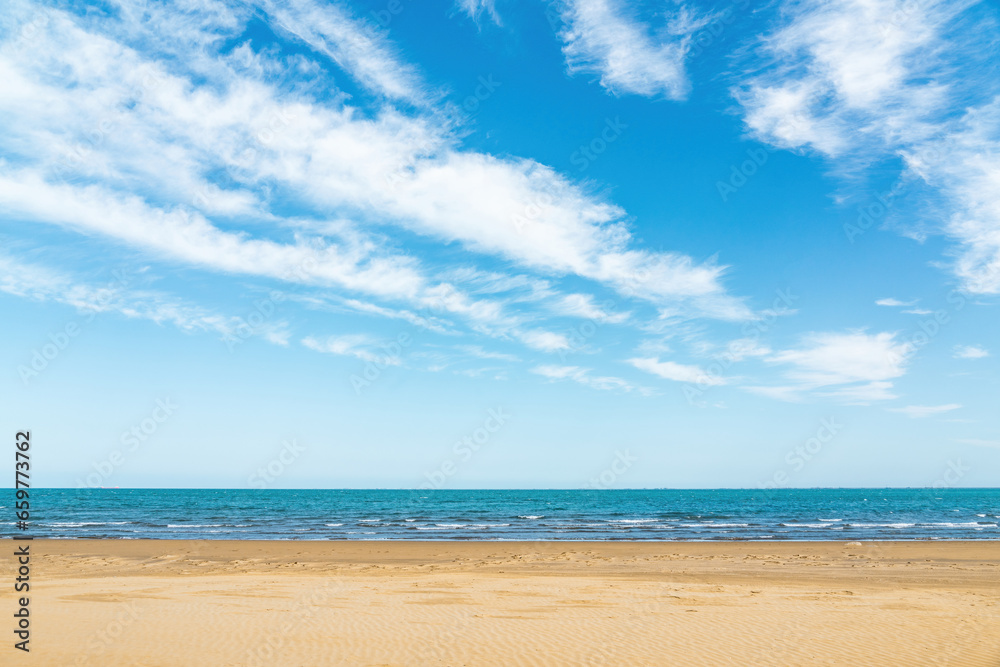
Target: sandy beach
point(172, 603)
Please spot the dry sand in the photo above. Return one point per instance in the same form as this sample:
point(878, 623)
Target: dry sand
point(191, 603)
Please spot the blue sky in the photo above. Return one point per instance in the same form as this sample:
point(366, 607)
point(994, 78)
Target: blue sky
point(498, 244)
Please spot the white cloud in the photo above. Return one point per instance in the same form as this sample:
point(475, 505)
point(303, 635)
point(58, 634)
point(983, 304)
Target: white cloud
point(476, 8)
point(274, 141)
point(362, 346)
point(353, 44)
point(848, 71)
point(893, 302)
point(918, 311)
point(965, 166)
point(479, 352)
point(601, 37)
point(583, 376)
point(124, 294)
point(582, 305)
point(922, 411)
point(670, 370)
point(853, 367)
point(743, 348)
point(861, 394)
point(970, 352)
point(428, 322)
point(866, 81)
point(546, 341)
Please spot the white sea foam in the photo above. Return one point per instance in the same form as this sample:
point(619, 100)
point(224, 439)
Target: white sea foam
point(965, 524)
point(77, 524)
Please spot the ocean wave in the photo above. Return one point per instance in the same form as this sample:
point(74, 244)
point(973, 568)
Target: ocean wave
point(963, 524)
point(77, 524)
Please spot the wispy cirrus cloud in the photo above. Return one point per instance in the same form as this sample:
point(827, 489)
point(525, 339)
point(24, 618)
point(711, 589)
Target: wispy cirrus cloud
point(970, 352)
point(546, 341)
point(671, 370)
point(922, 411)
point(126, 294)
point(583, 376)
point(893, 303)
point(234, 133)
point(854, 367)
point(603, 38)
point(361, 346)
point(476, 8)
point(354, 45)
point(584, 306)
point(866, 81)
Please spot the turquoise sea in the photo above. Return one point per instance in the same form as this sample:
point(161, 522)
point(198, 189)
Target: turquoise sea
point(787, 514)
